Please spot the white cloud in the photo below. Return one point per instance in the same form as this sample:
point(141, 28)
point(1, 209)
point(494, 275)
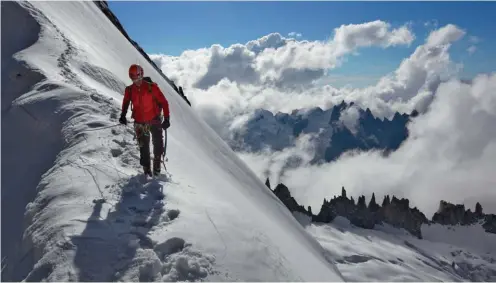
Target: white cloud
point(376, 33)
point(471, 50)
point(474, 39)
point(418, 75)
point(349, 117)
point(294, 34)
point(432, 23)
point(473, 47)
point(309, 59)
point(445, 35)
point(450, 155)
point(273, 40)
point(274, 165)
point(276, 60)
point(340, 80)
point(236, 84)
point(450, 149)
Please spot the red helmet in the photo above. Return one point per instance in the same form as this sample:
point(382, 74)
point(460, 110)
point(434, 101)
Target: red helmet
point(135, 72)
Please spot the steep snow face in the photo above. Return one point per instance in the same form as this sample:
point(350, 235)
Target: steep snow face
point(88, 216)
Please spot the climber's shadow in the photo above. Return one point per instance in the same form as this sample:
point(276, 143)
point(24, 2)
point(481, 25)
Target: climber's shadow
point(140, 204)
point(107, 247)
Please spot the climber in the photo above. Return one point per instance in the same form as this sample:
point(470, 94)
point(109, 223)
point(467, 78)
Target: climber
point(146, 100)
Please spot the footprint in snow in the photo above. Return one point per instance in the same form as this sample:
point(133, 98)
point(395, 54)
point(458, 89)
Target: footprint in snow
point(122, 143)
point(97, 98)
point(181, 262)
point(173, 245)
point(172, 214)
point(116, 152)
point(96, 125)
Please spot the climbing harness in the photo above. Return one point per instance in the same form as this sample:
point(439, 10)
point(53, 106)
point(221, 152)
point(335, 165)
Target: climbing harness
point(145, 130)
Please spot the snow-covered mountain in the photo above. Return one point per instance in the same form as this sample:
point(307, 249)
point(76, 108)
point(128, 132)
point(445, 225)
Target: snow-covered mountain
point(449, 254)
point(76, 208)
point(73, 205)
point(394, 242)
point(339, 129)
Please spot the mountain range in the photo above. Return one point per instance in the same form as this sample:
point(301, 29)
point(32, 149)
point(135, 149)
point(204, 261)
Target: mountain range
point(337, 130)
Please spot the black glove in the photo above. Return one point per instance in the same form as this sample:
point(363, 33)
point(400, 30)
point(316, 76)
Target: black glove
point(123, 120)
point(166, 123)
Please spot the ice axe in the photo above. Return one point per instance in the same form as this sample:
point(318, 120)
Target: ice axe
point(165, 142)
point(165, 149)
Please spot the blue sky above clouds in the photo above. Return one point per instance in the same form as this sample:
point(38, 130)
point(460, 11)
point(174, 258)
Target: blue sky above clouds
point(173, 27)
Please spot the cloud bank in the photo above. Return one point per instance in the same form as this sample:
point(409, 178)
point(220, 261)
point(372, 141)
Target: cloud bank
point(283, 74)
point(450, 153)
point(276, 61)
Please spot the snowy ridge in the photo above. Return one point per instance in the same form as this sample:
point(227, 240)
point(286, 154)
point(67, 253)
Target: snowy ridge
point(89, 216)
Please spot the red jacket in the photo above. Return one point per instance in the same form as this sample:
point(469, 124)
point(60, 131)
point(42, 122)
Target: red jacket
point(147, 100)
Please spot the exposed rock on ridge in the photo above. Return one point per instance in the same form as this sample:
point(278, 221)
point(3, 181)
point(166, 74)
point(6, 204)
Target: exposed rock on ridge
point(451, 214)
point(393, 211)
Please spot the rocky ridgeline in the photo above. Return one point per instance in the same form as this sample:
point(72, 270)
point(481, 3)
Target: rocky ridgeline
point(393, 211)
point(455, 214)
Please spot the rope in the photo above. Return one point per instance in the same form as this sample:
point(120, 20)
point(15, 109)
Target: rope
point(221, 238)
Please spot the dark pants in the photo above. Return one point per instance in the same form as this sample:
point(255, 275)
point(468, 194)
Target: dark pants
point(143, 133)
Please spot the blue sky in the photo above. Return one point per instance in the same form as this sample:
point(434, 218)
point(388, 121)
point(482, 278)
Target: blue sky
point(172, 27)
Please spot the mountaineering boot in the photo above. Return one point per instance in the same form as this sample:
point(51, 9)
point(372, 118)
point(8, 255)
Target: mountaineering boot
point(147, 171)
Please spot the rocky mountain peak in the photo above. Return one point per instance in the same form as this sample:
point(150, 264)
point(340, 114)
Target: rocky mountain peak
point(373, 206)
point(393, 211)
point(267, 183)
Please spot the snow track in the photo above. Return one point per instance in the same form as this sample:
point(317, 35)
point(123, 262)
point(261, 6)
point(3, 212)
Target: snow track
point(83, 213)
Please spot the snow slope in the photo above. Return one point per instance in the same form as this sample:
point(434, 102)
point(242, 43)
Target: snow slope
point(73, 205)
point(461, 253)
